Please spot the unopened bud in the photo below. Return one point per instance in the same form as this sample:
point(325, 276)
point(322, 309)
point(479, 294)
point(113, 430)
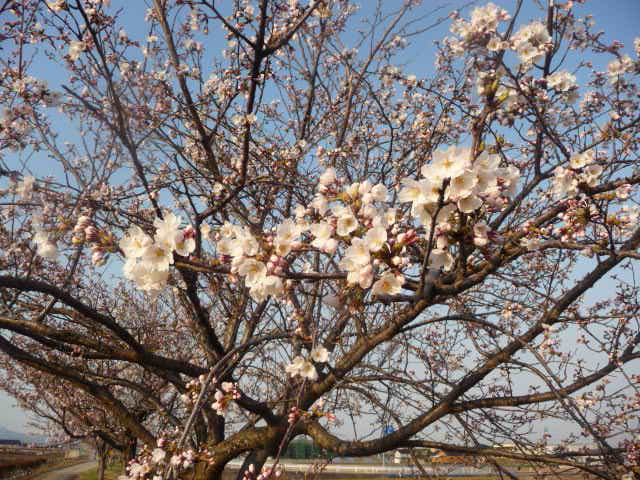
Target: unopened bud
point(91, 233)
point(82, 223)
point(189, 232)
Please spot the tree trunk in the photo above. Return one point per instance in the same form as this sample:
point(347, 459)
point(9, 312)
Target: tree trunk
point(101, 464)
point(101, 455)
point(129, 451)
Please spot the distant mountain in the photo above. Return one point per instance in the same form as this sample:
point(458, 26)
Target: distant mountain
point(6, 434)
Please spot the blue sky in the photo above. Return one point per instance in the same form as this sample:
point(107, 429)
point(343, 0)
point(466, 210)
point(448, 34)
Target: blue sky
point(618, 18)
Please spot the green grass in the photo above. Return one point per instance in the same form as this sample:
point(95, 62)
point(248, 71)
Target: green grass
point(111, 473)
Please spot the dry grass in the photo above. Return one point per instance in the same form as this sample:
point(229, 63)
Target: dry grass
point(10, 463)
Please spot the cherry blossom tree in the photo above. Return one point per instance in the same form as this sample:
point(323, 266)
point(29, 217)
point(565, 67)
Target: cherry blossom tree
point(65, 413)
point(242, 222)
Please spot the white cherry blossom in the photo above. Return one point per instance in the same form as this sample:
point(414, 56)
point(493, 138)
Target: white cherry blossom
point(389, 284)
point(135, 243)
point(24, 189)
point(253, 271)
point(379, 193)
point(45, 247)
point(328, 177)
point(320, 355)
point(375, 238)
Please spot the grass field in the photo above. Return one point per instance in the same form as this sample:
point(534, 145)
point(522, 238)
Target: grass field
point(111, 473)
point(10, 463)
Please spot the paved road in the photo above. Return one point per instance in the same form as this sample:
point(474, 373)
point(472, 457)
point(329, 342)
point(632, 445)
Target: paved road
point(67, 473)
point(448, 470)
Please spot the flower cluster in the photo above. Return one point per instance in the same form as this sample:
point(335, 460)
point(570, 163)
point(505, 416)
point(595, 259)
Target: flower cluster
point(352, 215)
point(619, 67)
point(193, 390)
point(148, 463)
point(317, 411)
point(456, 182)
point(148, 259)
point(549, 343)
point(632, 454)
point(75, 49)
point(265, 473)
point(582, 169)
point(85, 231)
point(228, 391)
point(561, 81)
point(531, 42)
point(564, 84)
point(480, 30)
point(247, 257)
point(588, 399)
point(356, 221)
point(46, 248)
point(304, 368)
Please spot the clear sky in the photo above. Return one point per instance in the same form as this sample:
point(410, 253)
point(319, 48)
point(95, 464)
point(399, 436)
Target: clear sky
point(618, 18)
point(11, 416)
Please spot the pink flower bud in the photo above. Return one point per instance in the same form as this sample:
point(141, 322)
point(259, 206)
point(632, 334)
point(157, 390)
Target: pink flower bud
point(91, 233)
point(82, 223)
point(188, 232)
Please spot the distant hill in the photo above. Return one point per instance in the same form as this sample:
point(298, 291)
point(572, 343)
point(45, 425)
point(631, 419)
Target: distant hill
point(6, 434)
